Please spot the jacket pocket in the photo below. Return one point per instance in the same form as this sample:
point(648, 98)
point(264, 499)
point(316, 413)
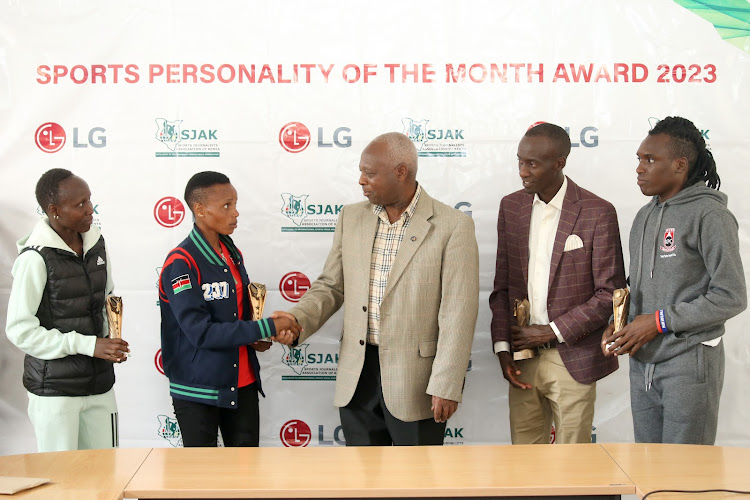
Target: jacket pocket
point(428, 348)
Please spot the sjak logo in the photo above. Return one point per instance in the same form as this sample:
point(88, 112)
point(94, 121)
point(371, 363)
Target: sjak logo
point(170, 430)
point(295, 358)
point(294, 207)
point(434, 141)
point(416, 131)
point(168, 133)
point(189, 143)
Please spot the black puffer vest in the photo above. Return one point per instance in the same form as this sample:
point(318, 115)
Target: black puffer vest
point(73, 299)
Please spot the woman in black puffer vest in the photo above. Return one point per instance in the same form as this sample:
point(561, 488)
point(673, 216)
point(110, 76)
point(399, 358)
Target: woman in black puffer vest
point(56, 316)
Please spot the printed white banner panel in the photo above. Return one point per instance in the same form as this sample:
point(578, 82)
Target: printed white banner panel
point(136, 97)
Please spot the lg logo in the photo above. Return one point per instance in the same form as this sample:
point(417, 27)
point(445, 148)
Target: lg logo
point(169, 211)
point(159, 362)
point(295, 137)
point(295, 433)
point(293, 286)
point(50, 137)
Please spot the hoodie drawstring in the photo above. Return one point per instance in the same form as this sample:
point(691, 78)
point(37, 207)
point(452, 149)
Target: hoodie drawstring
point(656, 238)
point(649, 374)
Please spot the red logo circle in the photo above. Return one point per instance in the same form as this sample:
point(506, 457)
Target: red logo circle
point(159, 362)
point(50, 137)
point(293, 286)
point(294, 137)
point(534, 125)
point(295, 433)
point(169, 211)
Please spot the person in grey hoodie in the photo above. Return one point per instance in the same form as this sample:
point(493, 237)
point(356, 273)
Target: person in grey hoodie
point(56, 316)
point(686, 281)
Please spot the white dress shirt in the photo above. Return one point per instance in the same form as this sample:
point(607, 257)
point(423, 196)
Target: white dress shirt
point(543, 227)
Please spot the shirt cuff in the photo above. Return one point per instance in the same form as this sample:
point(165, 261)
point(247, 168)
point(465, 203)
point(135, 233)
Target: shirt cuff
point(559, 336)
point(502, 346)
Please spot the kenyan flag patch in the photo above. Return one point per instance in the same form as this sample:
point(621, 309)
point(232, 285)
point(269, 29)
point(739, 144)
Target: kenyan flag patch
point(181, 283)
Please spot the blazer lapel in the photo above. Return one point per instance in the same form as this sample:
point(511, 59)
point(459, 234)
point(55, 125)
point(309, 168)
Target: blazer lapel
point(413, 239)
point(366, 228)
point(568, 218)
point(524, 224)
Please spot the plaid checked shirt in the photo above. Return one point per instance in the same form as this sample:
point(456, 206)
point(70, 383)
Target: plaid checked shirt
point(388, 238)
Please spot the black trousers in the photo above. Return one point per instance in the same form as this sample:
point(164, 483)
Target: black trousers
point(200, 423)
point(367, 422)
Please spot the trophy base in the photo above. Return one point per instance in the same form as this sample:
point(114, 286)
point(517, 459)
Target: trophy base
point(524, 354)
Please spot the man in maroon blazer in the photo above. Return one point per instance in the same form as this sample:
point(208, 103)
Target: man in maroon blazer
point(558, 246)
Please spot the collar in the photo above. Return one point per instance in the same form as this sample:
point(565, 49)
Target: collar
point(558, 199)
point(408, 213)
point(208, 251)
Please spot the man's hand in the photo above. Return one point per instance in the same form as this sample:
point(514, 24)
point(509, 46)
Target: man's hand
point(286, 337)
point(607, 337)
point(443, 409)
point(287, 328)
point(510, 370)
point(280, 315)
point(112, 350)
point(261, 346)
point(634, 335)
point(529, 337)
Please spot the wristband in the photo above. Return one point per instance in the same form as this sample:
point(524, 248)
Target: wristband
point(661, 323)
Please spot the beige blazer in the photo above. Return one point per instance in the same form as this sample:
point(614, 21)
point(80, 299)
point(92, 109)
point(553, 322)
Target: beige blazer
point(428, 312)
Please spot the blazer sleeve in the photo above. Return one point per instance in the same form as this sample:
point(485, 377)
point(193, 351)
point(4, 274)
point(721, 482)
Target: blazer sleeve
point(457, 317)
point(500, 325)
point(194, 316)
point(608, 274)
point(326, 294)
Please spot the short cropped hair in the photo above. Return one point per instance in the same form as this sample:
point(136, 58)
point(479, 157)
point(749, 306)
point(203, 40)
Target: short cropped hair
point(48, 186)
point(556, 134)
point(195, 191)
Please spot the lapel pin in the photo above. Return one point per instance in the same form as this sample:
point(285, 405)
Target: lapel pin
point(413, 238)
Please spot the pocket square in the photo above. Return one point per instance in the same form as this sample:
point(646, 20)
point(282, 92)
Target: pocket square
point(574, 241)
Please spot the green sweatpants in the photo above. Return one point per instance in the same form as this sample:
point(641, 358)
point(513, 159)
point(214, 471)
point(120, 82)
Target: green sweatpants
point(63, 423)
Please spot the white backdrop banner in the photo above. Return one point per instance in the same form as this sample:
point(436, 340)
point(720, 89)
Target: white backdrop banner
point(136, 97)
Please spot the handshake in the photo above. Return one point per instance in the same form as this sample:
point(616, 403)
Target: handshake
point(287, 328)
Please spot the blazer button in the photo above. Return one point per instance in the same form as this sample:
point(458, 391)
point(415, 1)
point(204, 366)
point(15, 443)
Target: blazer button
point(232, 389)
point(361, 342)
point(364, 308)
point(232, 403)
point(226, 272)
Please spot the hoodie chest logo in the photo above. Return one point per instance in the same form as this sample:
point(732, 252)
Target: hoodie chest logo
point(669, 244)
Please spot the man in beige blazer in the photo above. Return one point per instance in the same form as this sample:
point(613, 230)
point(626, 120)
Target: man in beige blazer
point(407, 267)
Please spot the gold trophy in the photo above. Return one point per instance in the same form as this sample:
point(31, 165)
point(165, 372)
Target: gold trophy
point(257, 300)
point(114, 316)
point(522, 312)
point(620, 307)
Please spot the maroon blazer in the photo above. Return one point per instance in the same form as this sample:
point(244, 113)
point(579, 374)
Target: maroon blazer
point(581, 281)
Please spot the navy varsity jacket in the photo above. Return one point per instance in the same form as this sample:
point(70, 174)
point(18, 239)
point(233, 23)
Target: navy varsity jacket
point(200, 331)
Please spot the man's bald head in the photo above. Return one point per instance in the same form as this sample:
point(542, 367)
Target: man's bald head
point(396, 149)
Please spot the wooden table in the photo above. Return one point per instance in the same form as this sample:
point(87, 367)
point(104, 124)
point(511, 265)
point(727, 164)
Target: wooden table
point(605, 470)
point(75, 475)
point(380, 472)
point(683, 467)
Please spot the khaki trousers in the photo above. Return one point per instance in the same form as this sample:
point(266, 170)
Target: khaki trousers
point(555, 397)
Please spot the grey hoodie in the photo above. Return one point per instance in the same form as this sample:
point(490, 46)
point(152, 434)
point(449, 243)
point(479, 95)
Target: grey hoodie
point(685, 261)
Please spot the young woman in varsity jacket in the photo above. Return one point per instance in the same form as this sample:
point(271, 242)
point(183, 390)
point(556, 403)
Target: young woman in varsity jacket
point(56, 316)
point(207, 336)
